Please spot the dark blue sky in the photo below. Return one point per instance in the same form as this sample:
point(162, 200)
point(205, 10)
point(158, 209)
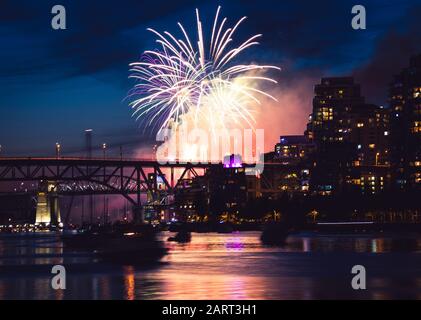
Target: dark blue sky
point(55, 84)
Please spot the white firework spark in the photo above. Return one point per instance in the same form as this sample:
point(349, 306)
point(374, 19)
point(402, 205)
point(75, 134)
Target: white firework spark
point(183, 79)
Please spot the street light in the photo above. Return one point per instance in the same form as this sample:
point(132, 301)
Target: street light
point(58, 147)
point(104, 148)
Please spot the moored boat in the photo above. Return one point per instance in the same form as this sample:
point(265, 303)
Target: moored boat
point(129, 244)
point(182, 236)
point(275, 234)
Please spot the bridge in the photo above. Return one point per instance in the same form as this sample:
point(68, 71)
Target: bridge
point(128, 177)
point(79, 176)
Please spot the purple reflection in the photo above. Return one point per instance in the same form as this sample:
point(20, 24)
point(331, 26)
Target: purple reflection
point(234, 244)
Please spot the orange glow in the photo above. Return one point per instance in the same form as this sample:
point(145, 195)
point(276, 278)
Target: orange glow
point(129, 281)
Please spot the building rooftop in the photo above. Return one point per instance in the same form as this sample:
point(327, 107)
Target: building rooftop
point(338, 81)
point(294, 139)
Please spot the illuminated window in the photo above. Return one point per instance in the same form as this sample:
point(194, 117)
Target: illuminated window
point(360, 125)
point(417, 92)
point(327, 113)
point(372, 146)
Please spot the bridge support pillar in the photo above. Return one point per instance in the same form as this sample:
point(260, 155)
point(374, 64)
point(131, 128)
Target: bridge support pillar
point(48, 209)
point(138, 214)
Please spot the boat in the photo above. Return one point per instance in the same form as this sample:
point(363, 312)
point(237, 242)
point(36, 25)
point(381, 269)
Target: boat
point(131, 248)
point(224, 228)
point(182, 236)
point(275, 234)
point(176, 226)
point(127, 244)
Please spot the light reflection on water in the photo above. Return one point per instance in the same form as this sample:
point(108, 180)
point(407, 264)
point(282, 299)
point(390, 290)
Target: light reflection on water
point(222, 266)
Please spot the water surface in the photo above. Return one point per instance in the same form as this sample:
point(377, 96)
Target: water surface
point(221, 266)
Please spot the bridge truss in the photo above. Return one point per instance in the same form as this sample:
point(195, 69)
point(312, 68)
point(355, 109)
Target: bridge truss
point(78, 176)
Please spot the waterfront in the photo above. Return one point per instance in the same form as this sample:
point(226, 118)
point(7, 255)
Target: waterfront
point(221, 266)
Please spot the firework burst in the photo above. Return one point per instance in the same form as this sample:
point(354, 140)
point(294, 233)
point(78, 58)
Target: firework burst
point(197, 81)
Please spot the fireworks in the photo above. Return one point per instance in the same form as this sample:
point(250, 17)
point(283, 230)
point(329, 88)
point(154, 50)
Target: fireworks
point(199, 82)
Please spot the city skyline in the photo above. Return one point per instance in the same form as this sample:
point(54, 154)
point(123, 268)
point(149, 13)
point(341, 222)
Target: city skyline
point(94, 86)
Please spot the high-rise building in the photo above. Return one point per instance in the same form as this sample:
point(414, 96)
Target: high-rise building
point(333, 100)
point(369, 132)
point(330, 128)
point(405, 119)
point(293, 149)
point(351, 138)
point(294, 152)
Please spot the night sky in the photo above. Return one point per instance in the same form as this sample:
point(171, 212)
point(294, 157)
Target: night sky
point(56, 83)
